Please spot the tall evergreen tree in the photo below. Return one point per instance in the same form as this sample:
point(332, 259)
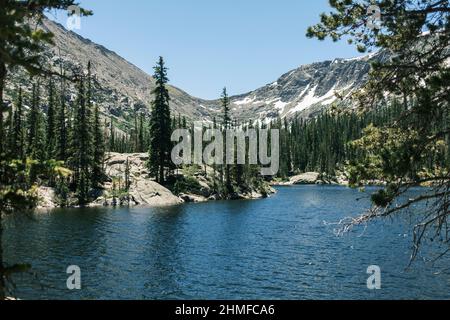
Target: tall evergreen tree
point(32, 119)
point(135, 132)
point(9, 136)
point(51, 122)
point(141, 142)
point(112, 135)
point(18, 130)
point(225, 102)
point(36, 127)
point(82, 143)
point(38, 150)
point(127, 175)
point(99, 150)
point(160, 126)
point(61, 128)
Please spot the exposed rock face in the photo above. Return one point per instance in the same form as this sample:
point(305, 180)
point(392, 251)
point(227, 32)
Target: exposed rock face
point(119, 87)
point(47, 198)
point(146, 192)
point(115, 164)
point(304, 91)
point(308, 90)
point(149, 193)
point(143, 191)
point(305, 178)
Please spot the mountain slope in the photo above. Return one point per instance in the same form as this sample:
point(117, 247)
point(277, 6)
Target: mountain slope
point(121, 88)
point(304, 91)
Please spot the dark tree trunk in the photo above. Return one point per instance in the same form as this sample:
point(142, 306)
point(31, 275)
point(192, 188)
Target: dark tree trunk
point(2, 82)
point(161, 173)
point(2, 280)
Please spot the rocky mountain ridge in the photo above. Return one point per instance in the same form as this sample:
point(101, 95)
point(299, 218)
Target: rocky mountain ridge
point(305, 91)
point(121, 88)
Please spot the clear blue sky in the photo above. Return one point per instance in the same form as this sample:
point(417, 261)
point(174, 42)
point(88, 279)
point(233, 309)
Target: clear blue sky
point(209, 44)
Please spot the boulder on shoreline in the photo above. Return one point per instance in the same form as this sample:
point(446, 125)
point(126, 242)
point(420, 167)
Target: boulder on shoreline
point(305, 178)
point(149, 193)
point(192, 198)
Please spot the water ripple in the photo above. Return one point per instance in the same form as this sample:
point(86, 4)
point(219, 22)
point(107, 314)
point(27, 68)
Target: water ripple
point(277, 248)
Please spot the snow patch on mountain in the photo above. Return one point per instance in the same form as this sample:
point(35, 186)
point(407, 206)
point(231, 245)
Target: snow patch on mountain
point(310, 99)
point(247, 100)
point(280, 105)
point(362, 58)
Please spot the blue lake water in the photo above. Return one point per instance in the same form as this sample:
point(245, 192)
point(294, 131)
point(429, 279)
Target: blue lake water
point(277, 248)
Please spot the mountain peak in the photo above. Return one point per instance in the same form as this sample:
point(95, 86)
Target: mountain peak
point(122, 88)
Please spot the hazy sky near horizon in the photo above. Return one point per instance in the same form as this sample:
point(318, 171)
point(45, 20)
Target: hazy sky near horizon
point(209, 44)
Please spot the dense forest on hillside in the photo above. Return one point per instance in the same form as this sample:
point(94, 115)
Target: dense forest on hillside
point(327, 143)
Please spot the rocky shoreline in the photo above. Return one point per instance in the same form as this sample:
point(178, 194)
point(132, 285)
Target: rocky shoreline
point(144, 191)
point(315, 178)
point(312, 178)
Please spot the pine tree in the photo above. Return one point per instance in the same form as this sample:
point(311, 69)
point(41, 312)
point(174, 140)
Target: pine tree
point(82, 144)
point(287, 146)
point(18, 130)
point(71, 136)
point(225, 102)
point(32, 119)
point(51, 128)
point(135, 132)
point(82, 190)
point(9, 151)
point(99, 150)
point(36, 128)
point(127, 175)
point(160, 125)
point(38, 150)
point(61, 128)
point(141, 142)
point(112, 136)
